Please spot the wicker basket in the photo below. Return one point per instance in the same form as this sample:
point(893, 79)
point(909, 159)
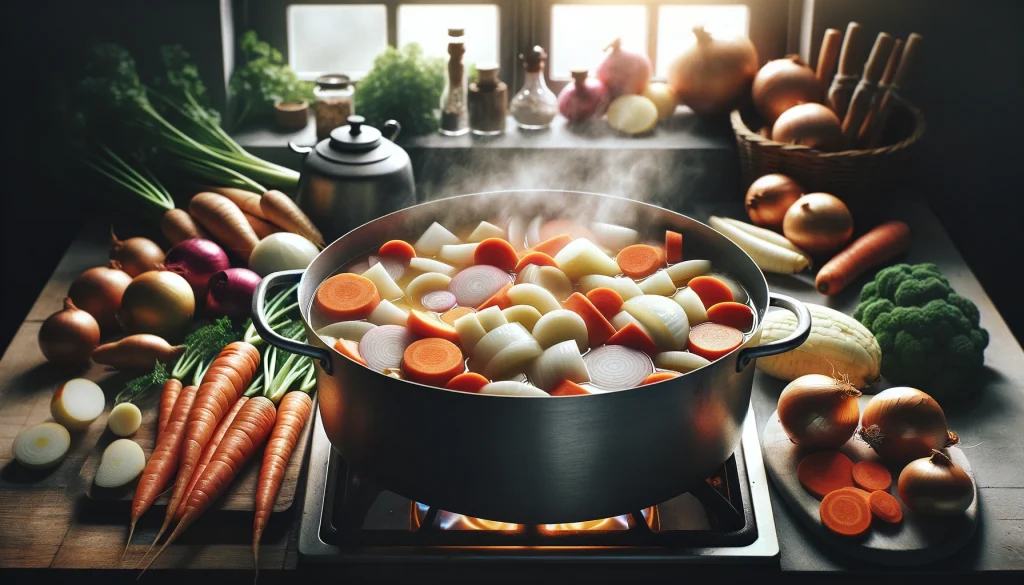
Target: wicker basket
point(858, 177)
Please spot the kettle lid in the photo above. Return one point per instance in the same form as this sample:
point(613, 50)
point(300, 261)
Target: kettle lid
point(355, 137)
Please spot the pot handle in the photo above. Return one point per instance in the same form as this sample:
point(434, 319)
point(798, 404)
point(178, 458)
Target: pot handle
point(394, 127)
point(303, 150)
point(803, 330)
point(259, 320)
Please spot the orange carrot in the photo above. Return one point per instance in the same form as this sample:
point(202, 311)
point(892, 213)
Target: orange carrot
point(499, 299)
point(606, 300)
point(427, 325)
point(346, 297)
point(279, 209)
point(874, 248)
point(885, 507)
point(398, 249)
point(824, 472)
point(658, 376)
point(845, 512)
point(711, 290)
point(552, 245)
point(871, 476)
point(711, 340)
point(177, 226)
point(292, 414)
point(211, 448)
point(247, 433)
point(568, 388)
point(673, 247)
point(467, 382)
point(172, 388)
point(534, 257)
point(433, 361)
point(350, 349)
point(247, 201)
point(557, 227)
point(598, 328)
point(451, 315)
point(225, 221)
point(496, 252)
point(639, 260)
point(733, 314)
point(262, 227)
point(633, 336)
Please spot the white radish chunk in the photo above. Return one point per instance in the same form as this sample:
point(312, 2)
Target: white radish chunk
point(535, 296)
point(513, 359)
point(613, 237)
point(682, 272)
point(486, 230)
point(659, 283)
point(512, 388)
point(385, 313)
point(582, 257)
point(663, 317)
point(548, 277)
point(491, 318)
point(517, 233)
point(561, 325)
point(433, 238)
point(469, 330)
point(386, 287)
point(523, 314)
point(497, 340)
point(616, 367)
point(77, 403)
point(423, 284)
point(394, 267)
point(680, 361)
point(427, 265)
point(42, 445)
point(124, 419)
point(625, 286)
point(768, 256)
point(382, 347)
point(474, 285)
point(739, 294)
point(457, 254)
point(122, 461)
point(692, 305)
point(561, 361)
point(351, 330)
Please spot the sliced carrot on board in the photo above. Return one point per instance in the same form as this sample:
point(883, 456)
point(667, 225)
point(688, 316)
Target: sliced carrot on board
point(467, 382)
point(633, 336)
point(568, 388)
point(871, 476)
point(711, 290)
point(350, 349)
point(639, 260)
point(732, 314)
point(658, 376)
point(534, 257)
point(598, 328)
point(451, 315)
point(496, 252)
point(398, 249)
point(553, 245)
point(557, 227)
point(673, 247)
point(499, 299)
point(824, 472)
point(606, 300)
point(433, 361)
point(346, 297)
point(712, 340)
point(845, 512)
point(885, 507)
point(424, 324)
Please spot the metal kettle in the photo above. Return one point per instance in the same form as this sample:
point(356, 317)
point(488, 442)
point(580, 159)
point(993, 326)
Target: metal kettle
point(354, 176)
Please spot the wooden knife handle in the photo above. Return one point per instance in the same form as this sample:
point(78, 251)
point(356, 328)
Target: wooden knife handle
point(842, 86)
point(861, 100)
point(883, 85)
point(899, 83)
point(828, 57)
point(894, 61)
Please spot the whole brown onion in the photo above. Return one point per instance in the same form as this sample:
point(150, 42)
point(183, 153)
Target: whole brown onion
point(819, 412)
point(68, 337)
point(768, 199)
point(811, 125)
point(936, 485)
point(902, 424)
point(782, 84)
point(135, 255)
point(819, 224)
point(158, 302)
point(98, 291)
point(714, 73)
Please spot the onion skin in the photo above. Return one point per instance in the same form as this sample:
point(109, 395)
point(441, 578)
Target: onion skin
point(135, 255)
point(98, 291)
point(196, 260)
point(158, 302)
point(819, 412)
point(782, 84)
point(935, 485)
point(768, 199)
point(811, 125)
point(68, 337)
point(623, 72)
point(902, 424)
point(713, 74)
point(819, 224)
point(230, 292)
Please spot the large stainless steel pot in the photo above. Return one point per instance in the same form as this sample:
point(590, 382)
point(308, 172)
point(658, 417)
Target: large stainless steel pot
point(534, 460)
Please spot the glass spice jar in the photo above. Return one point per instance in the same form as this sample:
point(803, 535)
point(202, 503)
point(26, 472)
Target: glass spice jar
point(488, 102)
point(333, 103)
point(535, 106)
point(454, 111)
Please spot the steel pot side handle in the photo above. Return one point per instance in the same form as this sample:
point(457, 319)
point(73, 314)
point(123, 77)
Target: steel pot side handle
point(799, 336)
point(259, 320)
point(394, 127)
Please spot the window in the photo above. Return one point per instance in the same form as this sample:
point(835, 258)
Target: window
point(330, 38)
point(427, 24)
point(580, 32)
point(724, 21)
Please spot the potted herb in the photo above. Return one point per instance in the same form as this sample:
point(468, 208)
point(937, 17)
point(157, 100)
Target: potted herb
point(264, 86)
point(404, 86)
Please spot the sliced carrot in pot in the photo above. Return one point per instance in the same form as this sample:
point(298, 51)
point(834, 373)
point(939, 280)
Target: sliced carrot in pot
point(673, 247)
point(606, 300)
point(640, 260)
point(432, 361)
point(568, 388)
point(398, 249)
point(633, 336)
point(552, 246)
point(346, 297)
point(534, 257)
point(733, 314)
point(659, 376)
point(467, 382)
point(711, 290)
point(711, 340)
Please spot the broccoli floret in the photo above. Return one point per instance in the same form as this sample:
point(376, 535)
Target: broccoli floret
point(929, 335)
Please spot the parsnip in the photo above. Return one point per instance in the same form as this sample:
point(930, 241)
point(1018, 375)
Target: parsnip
point(768, 256)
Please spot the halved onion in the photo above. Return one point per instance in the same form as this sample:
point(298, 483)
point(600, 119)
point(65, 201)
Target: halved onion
point(433, 238)
point(625, 286)
point(438, 301)
point(382, 347)
point(385, 313)
point(425, 283)
point(486, 230)
point(680, 361)
point(517, 233)
point(394, 267)
point(659, 283)
point(427, 265)
point(42, 445)
point(739, 294)
point(512, 388)
point(476, 284)
point(513, 359)
point(682, 272)
point(124, 419)
point(535, 296)
point(561, 325)
point(582, 257)
point(386, 286)
point(497, 340)
point(548, 277)
point(470, 330)
point(561, 361)
point(518, 377)
point(491, 318)
point(122, 461)
point(692, 305)
point(660, 315)
point(351, 330)
point(77, 403)
point(524, 314)
point(457, 254)
point(616, 367)
point(613, 237)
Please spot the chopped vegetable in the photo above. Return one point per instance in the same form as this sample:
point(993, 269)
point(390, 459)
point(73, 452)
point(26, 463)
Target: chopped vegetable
point(557, 227)
point(885, 507)
point(433, 238)
point(122, 461)
point(683, 272)
point(470, 330)
point(346, 297)
point(768, 256)
point(739, 294)
point(124, 419)
point(659, 283)
point(640, 260)
point(692, 306)
point(710, 290)
point(438, 301)
point(426, 283)
point(386, 286)
point(712, 341)
point(876, 247)
point(663, 318)
point(77, 403)
point(824, 472)
point(428, 265)
point(736, 315)
point(548, 277)
point(499, 299)
point(552, 245)
point(496, 252)
point(498, 339)
point(398, 249)
point(845, 512)
point(538, 258)
point(535, 296)
point(524, 314)
point(561, 325)
point(613, 237)
point(633, 335)
point(424, 324)
point(871, 476)
point(42, 445)
point(673, 247)
point(351, 330)
point(491, 318)
point(486, 230)
point(458, 254)
point(382, 348)
point(659, 377)
point(680, 361)
point(513, 359)
point(467, 382)
point(626, 287)
point(517, 233)
point(452, 315)
point(606, 300)
point(568, 388)
point(279, 209)
point(598, 328)
point(533, 231)
point(387, 314)
point(222, 218)
point(393, 266)
point(582, 257)
point(474, 285)
point(432, 361)
point(350, 349)
point(614, 367)
point(512, 388)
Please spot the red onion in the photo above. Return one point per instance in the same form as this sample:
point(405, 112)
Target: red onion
point(382, 347)
point(584, 99)
point(624, 72)
point(196, 260)
point(230, 292)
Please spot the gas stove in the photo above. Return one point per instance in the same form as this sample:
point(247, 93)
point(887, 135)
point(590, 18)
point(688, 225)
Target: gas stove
point(725, 520)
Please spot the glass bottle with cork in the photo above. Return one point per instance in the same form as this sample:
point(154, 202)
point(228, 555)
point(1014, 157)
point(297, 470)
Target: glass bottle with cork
point(535, 106)
point(488, 102)
point(332, 103)
point(454, 110)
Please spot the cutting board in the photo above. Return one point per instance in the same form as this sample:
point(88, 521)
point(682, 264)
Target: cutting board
point(240, 496)
point(918, 540)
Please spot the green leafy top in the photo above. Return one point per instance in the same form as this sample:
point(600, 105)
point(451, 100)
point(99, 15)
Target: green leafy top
point(137, 386)
point(404, 86)
point(181, 84)
point(262, 79)
point(202, 346)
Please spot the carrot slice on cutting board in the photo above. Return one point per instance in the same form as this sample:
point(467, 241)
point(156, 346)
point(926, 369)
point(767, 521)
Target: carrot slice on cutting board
point(606, 300)
point(398, 249)
point(673, 247)
point(711, 290)
point(845, 512)
point(824, 472)
point(598, 328)
point(712, 340)
point(553, 245)
point(467, 382)
point(568, 388)
point(347, 297)
point(885, 507)
point(871, 476)
point(733, 314)
point(639, 260)
point(433, 361)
